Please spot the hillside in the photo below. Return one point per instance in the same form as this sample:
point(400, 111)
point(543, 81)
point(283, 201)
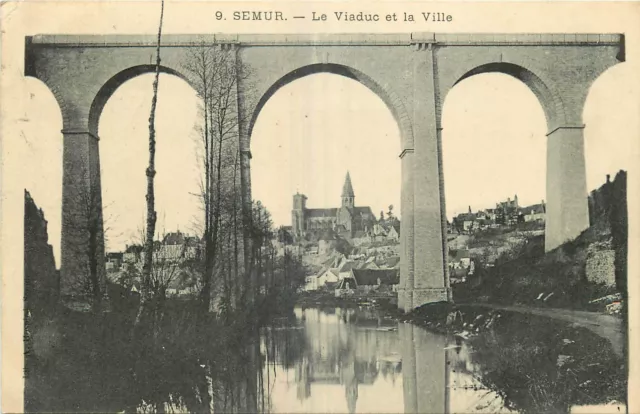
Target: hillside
point(570, 276)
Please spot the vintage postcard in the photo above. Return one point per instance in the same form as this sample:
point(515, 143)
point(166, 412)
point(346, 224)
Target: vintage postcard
point(319, 207)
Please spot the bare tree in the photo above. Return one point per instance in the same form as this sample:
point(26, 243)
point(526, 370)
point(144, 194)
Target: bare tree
point(166, 265)
point(262, 235)
point(146, 291)
point(215, 73)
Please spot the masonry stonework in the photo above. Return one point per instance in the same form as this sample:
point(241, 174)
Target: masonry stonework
point(600, 266)
point(411, 73)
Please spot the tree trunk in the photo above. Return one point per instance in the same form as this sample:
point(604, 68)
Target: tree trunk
point(235, 227)
point(93, 263)
point(151, 172)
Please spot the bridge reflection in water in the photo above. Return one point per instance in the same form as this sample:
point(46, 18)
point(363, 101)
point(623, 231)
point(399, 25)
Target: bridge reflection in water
point(356, 360)
point(335, 360)
point(346, 360)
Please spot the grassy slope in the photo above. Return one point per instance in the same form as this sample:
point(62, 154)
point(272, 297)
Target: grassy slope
point(522, 280)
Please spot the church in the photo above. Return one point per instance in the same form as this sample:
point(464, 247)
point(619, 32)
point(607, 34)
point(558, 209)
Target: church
point(347, 221)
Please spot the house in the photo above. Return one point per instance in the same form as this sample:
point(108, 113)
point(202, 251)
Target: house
point(293, 250)
point(361, 237)
point(369, 279)
point(346, 286)
point(174, 247)
point(132, 253)
point(507, 212)
point(378, 233)
point(490, 214)
point(464, 222)
point(341, 261)
point(535, 212)
point(345, 269)
point(311, 283)
point(328, 262)
point(361, 264)
point(177, 246)
point(458, 275)
point(189, 290)
point(394, 232)
point(459, 258)
point(327, 242)
point(468, 221)
point(369, 263)
point(366, 280)
point(329, 275)
point(371, 266)
point(114, 261)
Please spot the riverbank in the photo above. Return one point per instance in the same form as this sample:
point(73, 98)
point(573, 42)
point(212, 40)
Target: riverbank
point(538, 363)
point(518, 347)
point(182, 362)
point(328, 299)
point(435, 316)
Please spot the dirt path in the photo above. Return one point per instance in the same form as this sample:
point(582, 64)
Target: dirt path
point(607, 326)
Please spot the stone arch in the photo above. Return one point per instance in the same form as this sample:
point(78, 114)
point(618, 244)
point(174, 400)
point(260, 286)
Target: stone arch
point(389, 97)
point(108, 89)
point(55, 91)
point(52, 91)
point(551, 103)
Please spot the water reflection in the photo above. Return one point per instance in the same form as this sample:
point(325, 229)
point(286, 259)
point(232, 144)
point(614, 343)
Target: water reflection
point(326, 360)
point(356, 360)
point(228, 382)
point(359, 361)
point(349, 358)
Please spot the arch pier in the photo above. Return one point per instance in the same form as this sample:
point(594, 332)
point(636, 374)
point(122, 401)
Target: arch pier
point(412, 73)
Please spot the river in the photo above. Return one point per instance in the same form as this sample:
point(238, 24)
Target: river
point(356, 360)
point(325, 360)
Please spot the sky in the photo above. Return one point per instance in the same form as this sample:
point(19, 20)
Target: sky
point(314, 130)
point(124, 154)
point(308, 135)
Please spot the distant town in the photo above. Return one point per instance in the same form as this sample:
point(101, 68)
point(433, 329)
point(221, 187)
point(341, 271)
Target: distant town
point(347, 250)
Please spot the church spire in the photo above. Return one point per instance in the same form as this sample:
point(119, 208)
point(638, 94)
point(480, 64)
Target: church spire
point(347, 189)
point(348, 196)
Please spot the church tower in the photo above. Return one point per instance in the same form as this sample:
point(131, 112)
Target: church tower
point(298, 215)
point(348, 197)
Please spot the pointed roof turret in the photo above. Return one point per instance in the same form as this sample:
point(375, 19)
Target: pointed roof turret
point(347, 188)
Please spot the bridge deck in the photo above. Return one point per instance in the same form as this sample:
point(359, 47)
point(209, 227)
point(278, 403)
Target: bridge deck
point(357, 39)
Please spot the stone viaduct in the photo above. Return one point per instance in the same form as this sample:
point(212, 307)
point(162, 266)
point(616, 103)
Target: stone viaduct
point(411, 73)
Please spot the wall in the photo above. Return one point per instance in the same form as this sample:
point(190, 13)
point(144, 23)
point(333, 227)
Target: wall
point(608, 211)
point(600, 266)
